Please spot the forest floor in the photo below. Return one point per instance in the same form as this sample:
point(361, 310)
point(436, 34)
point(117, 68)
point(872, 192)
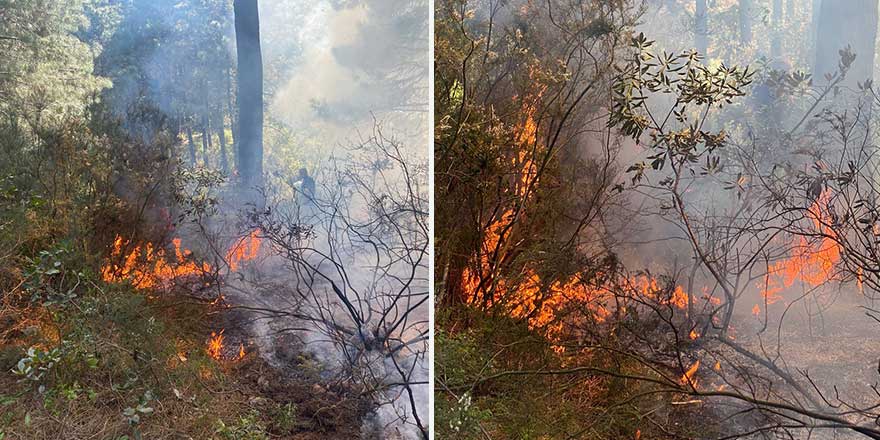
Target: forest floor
point(117, 364)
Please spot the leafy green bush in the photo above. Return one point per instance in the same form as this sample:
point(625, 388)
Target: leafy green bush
point(247, 427)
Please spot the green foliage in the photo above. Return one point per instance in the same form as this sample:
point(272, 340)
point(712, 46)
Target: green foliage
point(46, 72)
point(196, 192)
point(37, 363)
point(247, 427)
point(676, 136)
point(284, 418)
point(530, 406)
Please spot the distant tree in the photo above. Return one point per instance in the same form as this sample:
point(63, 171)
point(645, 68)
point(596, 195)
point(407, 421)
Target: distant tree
point(842, 24)
point(168, 62)
point(250, 92)
point(46, 71)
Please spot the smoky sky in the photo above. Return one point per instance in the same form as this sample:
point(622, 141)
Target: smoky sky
point(332, 68)
point(359, 61)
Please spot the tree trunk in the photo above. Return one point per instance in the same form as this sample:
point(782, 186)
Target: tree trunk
point(814, 26)
point(192, 145)
point(233, 118)
point(221, 132)
point(250, 92)
point(776, 38)
point(206, 140)
point(845, 23)
point(701, 28)
point(745, 21)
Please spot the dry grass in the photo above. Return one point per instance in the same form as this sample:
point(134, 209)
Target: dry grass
point(157, 346)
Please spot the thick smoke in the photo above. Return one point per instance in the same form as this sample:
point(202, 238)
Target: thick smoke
point(334, 71)
point(361, 60)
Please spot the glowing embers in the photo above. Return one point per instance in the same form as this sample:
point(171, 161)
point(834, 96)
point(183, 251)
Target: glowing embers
point(147, 266)
point(812, 262)
point(217, 348)
point(245, 249)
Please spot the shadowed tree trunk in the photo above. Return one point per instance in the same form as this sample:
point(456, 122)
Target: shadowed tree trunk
point(846, 23)
point(701, 28)
point(206, 140)
point(745, 21)
point(250, 93)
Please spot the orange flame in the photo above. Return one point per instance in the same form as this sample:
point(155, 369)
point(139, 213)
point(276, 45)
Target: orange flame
point(688, 377)
point(541, 302)
point(811, 263)
point(147, 267)
point(215, 345)
point(245, 249)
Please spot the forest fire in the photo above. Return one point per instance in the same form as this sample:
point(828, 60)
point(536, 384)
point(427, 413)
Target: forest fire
point(215, 345)
point(216, 348)
point(146, 266)
point(245, 249)
point(531, 297)
point(541, 304)
point(811, 263)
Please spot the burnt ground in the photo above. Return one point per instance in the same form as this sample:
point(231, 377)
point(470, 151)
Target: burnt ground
point(837, 346)
point(324, 408)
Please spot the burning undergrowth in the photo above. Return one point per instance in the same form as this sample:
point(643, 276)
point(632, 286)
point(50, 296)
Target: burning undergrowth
point(338, 276)
point(350, 269)
point(753, 264)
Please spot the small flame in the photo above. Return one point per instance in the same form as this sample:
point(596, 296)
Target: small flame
point(245, 249)
point(688, 376)
point(756, 310)
point(694, 335)
point(215, 345)
point(241, 352)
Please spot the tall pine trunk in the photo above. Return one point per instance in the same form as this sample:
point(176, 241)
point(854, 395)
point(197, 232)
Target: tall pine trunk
point(192, 145)
point(206, 141)
point(233, 119)
point(776, 33)
point(250, 92)
point(701, 28)
point(221, 132)
point(745, 21)
point(814, 26)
